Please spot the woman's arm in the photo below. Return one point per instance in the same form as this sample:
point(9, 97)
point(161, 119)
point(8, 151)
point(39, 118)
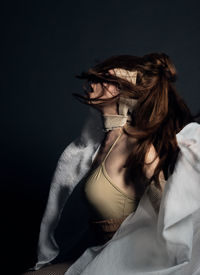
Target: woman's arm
point(155, 194)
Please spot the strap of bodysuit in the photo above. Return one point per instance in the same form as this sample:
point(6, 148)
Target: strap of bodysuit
point(113, 145)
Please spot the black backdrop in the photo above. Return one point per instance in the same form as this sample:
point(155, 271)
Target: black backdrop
point(44, 45)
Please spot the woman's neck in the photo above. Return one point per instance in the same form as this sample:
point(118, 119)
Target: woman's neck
point(112, 135)
point(109, 110)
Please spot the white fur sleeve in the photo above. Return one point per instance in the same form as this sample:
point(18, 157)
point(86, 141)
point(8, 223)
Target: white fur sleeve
point(72, 165)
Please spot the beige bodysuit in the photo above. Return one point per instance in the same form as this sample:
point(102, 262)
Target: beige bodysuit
point(111, 204)
point(107, 198)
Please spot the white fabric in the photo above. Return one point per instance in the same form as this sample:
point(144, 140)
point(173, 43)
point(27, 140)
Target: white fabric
point(73, 164)
point(146, 242)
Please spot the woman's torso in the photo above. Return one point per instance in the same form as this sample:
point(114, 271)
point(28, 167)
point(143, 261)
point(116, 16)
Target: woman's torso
point(107, 188)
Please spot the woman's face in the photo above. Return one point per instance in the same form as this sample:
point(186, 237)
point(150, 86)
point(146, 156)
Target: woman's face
point(103, 91)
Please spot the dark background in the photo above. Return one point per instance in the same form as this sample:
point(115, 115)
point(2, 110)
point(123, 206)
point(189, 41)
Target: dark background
point(44, 45)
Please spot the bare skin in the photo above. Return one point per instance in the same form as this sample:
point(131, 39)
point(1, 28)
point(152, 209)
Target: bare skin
point(120, 152)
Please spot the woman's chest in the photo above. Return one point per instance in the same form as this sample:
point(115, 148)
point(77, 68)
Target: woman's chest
point(113, 164)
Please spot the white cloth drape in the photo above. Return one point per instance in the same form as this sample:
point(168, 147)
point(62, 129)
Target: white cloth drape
point(73, 164)
point(147, 242)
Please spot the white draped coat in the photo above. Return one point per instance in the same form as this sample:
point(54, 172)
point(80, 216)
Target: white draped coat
point(147, 242)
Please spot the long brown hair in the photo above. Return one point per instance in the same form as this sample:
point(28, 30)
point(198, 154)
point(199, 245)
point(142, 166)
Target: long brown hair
point(159, 115)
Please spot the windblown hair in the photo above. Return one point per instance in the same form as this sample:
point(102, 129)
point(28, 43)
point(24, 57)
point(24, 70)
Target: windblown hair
point(159, 115)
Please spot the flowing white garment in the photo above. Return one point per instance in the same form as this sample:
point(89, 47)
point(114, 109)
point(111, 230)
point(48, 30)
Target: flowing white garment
point(147, 242)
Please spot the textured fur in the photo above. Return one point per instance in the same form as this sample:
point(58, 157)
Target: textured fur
point(72, 165)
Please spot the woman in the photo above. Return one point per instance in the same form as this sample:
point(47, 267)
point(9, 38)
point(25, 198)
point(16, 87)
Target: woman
point(129, 169)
